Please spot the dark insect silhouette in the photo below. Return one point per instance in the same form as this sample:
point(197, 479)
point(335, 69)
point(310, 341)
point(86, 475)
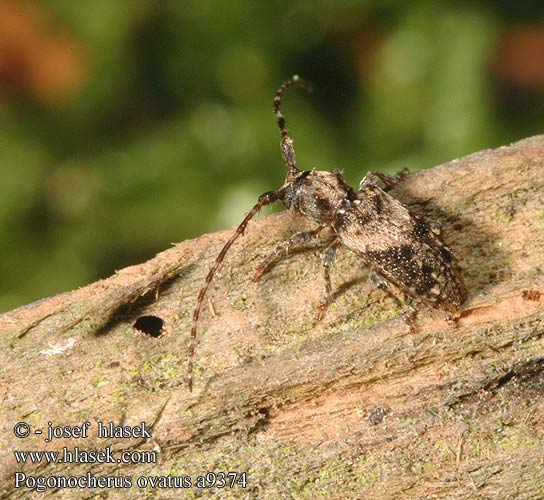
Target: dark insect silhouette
point(401, 248)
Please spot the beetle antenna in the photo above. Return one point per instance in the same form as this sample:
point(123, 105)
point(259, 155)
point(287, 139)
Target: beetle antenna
point(286, 144)
point(264, 199)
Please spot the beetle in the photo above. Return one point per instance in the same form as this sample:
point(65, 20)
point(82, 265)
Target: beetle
point(401, 248)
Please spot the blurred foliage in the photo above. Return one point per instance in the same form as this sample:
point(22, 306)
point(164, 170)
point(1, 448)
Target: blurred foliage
point(128, 125)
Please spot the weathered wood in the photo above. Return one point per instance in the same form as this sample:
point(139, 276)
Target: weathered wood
point(349, 407)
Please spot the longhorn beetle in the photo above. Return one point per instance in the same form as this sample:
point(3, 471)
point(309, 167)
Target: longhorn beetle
point(401, 248)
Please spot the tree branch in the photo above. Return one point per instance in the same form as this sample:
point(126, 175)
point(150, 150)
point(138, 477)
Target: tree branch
point(351, 406)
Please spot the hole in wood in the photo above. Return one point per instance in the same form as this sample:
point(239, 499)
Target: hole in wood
point(150, 325)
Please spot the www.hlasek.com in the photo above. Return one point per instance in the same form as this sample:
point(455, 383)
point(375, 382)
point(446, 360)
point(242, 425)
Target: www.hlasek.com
point(79, 456)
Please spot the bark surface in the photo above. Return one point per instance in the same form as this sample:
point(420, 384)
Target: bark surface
point(352, 406)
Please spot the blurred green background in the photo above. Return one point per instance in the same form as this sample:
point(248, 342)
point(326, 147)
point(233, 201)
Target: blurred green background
point(130, 124)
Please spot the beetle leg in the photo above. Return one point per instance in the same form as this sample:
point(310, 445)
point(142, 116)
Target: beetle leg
point(296, 240)
point(381, 283)
point(389, 181)
point(327, 261)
